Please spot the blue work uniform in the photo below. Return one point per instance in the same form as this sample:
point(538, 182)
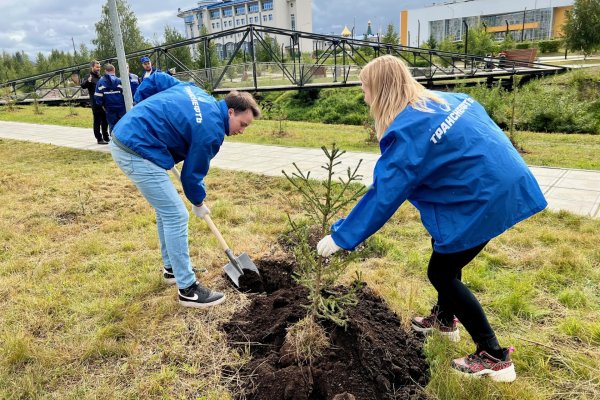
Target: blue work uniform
point(457, 167)
point(134, 82)
point(175, 121)
point(109, 95)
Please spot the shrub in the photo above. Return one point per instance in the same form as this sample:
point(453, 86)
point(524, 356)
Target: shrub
point(549, 46)
point(523, 45)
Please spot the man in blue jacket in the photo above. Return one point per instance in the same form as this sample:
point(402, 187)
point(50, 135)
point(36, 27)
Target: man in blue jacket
point(109, 95)
point(148, 69)
point(175, 121)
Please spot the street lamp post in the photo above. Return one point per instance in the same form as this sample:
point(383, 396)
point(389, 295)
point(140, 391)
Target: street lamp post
point(118, 40)
point(523, 27)
point(466, 39)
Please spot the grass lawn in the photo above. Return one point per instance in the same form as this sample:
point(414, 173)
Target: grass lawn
point(543, 149)
point(84, 312)
point(574, 62)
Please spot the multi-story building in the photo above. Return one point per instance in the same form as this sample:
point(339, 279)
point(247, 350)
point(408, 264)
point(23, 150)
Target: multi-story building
point(523, 19)
point(220, 15)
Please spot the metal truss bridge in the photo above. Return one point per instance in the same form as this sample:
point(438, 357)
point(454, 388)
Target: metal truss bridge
point(333, 62)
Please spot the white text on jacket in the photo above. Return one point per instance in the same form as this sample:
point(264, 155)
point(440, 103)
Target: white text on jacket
point(451, 119)
point(195, 104)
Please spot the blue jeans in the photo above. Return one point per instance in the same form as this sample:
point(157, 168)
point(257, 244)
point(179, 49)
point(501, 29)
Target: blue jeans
point(172, 215)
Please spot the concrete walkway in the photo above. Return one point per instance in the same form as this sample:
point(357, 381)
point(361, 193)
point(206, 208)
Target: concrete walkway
point(577, 191)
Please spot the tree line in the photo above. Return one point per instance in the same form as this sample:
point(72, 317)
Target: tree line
point(582, 33)
point(19, 65)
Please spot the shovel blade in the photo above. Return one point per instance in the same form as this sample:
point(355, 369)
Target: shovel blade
point(234, 272)
point(246, 263)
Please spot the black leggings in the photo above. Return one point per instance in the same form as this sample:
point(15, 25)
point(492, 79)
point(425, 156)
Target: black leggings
point(455, 299)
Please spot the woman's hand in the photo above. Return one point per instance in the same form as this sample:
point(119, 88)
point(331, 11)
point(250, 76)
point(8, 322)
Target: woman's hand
point(327, 246)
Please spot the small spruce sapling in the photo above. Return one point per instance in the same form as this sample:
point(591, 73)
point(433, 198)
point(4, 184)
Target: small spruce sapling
point(322, 201)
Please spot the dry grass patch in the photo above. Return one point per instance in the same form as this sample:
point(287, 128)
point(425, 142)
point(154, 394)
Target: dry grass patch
point(84, 312)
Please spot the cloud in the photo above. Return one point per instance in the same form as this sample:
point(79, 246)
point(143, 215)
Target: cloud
point(43, 25)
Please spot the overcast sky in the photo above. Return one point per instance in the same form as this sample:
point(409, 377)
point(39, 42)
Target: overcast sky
point(42, 25)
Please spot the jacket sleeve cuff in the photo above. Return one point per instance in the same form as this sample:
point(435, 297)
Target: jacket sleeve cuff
point(339, 238)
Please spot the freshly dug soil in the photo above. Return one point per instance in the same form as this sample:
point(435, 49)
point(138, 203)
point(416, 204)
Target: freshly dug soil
point(250, 282)
point(372, 359)
point(275, 273)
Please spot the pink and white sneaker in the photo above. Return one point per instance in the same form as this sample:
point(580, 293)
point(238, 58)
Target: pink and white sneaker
point(427, 324)
point(481, 363)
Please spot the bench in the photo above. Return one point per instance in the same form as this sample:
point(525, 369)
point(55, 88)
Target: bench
point(521, 57)
point(318, 71)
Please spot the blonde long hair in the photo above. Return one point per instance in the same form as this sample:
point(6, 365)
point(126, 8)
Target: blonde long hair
point(392, 88)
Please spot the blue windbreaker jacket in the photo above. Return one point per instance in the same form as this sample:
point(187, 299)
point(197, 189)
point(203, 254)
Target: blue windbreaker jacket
point(457, 167)
point(134, 82)
point(175, 121)
point(109, 93)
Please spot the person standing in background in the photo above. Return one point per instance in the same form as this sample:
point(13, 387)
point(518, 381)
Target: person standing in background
point(134, 81)
point(100, 121)
point(109, 96)
point(148, 68)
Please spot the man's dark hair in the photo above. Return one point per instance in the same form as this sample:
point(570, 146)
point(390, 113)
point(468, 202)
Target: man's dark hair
point(94, 62)
point(242, 101)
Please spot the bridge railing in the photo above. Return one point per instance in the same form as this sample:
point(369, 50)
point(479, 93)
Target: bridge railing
point(252, 62)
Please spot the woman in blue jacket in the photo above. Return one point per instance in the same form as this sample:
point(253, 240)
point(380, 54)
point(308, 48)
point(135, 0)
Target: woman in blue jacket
point(175, 121)
point(445, 155)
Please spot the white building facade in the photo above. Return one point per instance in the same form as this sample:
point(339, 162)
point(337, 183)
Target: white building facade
point(217, 16)
point(526, 19)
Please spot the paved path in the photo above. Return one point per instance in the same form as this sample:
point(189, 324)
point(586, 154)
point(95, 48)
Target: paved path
point(574, 190)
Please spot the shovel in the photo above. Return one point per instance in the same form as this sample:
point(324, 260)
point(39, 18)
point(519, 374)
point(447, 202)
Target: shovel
point(236, 266)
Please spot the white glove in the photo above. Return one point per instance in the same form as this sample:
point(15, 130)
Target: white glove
point(327, 246)
point(201, 210)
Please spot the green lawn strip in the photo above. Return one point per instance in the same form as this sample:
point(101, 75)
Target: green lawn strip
point(84, 312)
point(542, 149)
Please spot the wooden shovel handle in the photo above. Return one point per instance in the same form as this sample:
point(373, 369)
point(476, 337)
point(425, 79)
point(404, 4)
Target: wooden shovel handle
point(207, 218)
point(216, 232)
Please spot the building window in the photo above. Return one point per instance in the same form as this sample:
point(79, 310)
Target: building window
point(240, 10)
point(256, 20)
point(214, 14)
point(229, 47)
point(264, 18)
point(293, 21)
point(253, 7)
point(227, 12)
point(270, 17)
point(213, 25)
point(267, 5)
point(218, 25)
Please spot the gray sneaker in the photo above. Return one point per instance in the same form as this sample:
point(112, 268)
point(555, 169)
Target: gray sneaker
point(198, 296)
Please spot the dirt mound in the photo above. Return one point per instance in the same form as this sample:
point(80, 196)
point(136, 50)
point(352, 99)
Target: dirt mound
point(373, 358)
